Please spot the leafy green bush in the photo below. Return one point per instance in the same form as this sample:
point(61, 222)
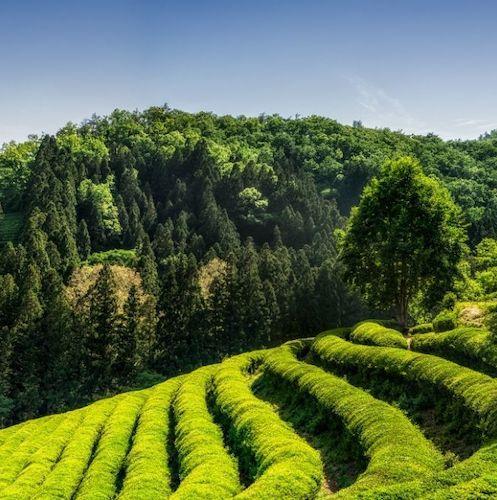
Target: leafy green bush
point(147, 472)
point(116, 256)
point(423, 328)
point(476, 391)
point(371, 333)
point(396, 449)
point(123, 447)
point(14, 459)
point(206, 468)
point(444, 321)
point(285, 467)
point(468, 346)
point(43, 460)
point(64, 479)
point(100, 478)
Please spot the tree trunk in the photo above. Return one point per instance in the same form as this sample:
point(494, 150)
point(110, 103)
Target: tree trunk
point(402, 313)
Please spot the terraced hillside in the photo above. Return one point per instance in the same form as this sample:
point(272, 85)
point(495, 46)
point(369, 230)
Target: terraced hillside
point(353, 413)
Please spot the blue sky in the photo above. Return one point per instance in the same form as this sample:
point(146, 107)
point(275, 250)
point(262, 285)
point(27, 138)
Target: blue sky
point(416, 65)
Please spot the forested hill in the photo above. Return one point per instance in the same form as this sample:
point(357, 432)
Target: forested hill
point(162, 240)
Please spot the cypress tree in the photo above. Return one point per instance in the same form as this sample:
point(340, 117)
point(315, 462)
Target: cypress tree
point(100, 327)
point(84, 242)
point(163, 244)
point(125, 347)
point(148, 267)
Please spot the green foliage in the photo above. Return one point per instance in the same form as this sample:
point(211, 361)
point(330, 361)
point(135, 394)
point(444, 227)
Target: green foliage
point(478, 392)
point(202, 434)
point(10, 227)
point(444, 321)
point(117, 256)
point(100, 200)
point(40, 463)
point(374, 423)
point(370, 333)
point(206, 468)
point(423, 328)
point(64, 479)
point(405, 236)
point(264, 197)
point(469, 346)
point(112, 448)
point(18, 458)
point(285, 465)
point(15, 164)
point(147, 464)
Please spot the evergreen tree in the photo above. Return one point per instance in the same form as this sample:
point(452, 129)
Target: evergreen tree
point(163, 244)
point(148, 267)
point(54, 334)
point(100, 329)
point(125, 361)
point(83, 238)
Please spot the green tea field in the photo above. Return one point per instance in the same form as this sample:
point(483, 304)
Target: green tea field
point(352, 413)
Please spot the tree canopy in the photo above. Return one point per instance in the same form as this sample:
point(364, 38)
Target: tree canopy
point(405, 236)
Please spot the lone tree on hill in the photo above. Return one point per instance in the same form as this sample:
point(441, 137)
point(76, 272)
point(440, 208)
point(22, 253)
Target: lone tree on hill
point(406, 237)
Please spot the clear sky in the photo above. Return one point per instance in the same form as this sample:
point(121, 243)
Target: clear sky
point(416, 65)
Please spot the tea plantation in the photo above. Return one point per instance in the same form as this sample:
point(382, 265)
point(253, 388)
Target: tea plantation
point(352, 413)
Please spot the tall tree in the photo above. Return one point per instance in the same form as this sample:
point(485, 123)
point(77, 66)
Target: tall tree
point(100, 329)
point(405, 236)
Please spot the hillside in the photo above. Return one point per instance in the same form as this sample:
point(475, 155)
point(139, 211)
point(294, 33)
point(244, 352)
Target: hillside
point(351, 413)
point(234, 225)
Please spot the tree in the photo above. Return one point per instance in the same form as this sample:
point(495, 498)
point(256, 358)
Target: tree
point(100, 328)
point(148, 267)
point(125, 362)
point(404, 238)
point(84, 242)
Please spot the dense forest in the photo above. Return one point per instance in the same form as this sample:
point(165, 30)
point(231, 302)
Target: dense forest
point(141, 245)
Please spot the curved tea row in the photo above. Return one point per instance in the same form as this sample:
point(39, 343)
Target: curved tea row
point(210, 435)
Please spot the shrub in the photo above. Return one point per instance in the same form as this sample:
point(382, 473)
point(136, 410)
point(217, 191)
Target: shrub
point(206, 468)
point(444, 321)
point(117, 256)
point(286, 467)
point(42, 461)
point(342, 332)
point(371, 333)
point(396, 449)
point(476, 391)
point(147, 473)
point(423, 328)
point(14, 459)
point(99, 480)
point(17, 432)
point(468, 346)
point(65, 477)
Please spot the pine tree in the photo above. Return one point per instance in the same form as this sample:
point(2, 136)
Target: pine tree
point(84, 242)
point(179, 330)
point(54, 332)
point(125, 360)
point(25, 381)
point(99, 326)
point(148, 267)
point(163, 244)
point(251, 299)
